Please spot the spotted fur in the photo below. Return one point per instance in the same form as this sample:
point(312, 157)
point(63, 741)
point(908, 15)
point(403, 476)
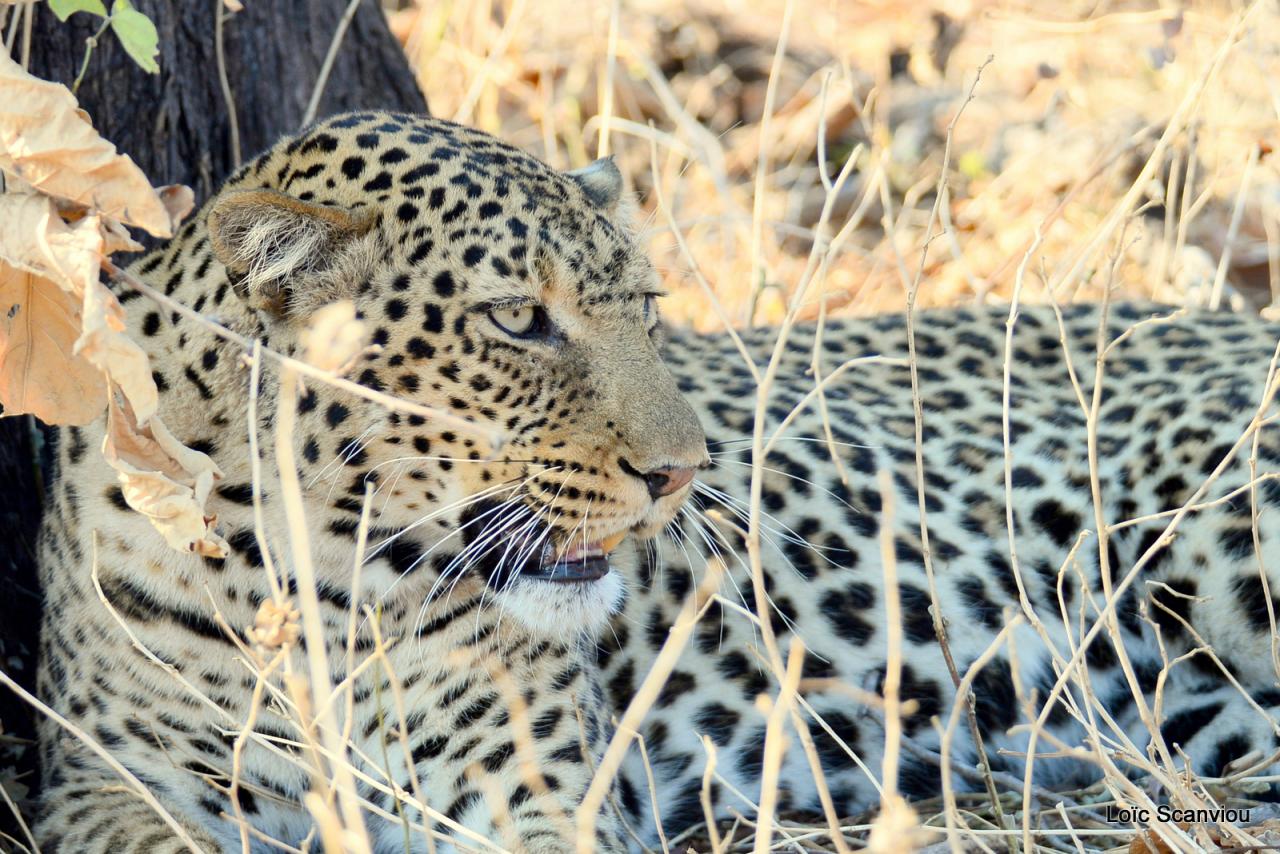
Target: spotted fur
point(430, 229)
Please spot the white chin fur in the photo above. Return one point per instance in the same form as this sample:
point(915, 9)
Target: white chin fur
point(564, 610)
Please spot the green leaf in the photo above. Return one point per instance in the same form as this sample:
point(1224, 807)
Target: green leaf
point(137, 34)
point(66, 8)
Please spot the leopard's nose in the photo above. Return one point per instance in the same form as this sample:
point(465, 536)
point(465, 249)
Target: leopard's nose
point(665, 481)
point(661, 481)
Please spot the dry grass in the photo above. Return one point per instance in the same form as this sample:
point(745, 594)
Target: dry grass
point(796, 161)
point(786, 172)
point(1065, 117)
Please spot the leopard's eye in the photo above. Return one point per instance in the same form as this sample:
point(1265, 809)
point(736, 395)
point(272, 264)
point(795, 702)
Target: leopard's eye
point(518, 320)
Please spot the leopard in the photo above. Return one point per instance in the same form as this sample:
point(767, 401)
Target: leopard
point(565, 555)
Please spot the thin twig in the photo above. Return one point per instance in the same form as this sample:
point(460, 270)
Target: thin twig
point(139, 787)
point(762, 161)
point(355, 836)
point(610, 68)
point(233, 121)
point(694, 607)
point(1237, 214)
point(775, 747)
point(322, 79)
point(917, 405)
point(442, 417)
point(17, 815)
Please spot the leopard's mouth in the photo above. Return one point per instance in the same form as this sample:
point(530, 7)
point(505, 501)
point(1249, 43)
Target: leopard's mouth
point(500, 551)
point(576, 562)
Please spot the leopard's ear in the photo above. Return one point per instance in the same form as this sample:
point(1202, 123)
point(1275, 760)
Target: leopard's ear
point(601, 181)
point(278, 248)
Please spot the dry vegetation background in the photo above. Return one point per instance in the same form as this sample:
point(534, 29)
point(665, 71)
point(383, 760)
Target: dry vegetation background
point(1064, 118)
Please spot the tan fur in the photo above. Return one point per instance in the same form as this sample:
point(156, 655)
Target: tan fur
point(270, 238)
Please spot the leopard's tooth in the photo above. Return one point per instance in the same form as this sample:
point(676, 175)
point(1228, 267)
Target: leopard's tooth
point(611, 542)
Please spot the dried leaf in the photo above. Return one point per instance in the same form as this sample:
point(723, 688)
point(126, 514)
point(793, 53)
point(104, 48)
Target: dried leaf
point(178, 200)
point(116, 238)
point(164, 480)
point(64, 349)
point(46, 140)
point(105, 344)
point(1147, 842)
point(39, 371)
point(34, 239)
point(46, 267)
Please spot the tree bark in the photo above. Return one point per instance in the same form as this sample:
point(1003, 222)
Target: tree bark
point(177, 125)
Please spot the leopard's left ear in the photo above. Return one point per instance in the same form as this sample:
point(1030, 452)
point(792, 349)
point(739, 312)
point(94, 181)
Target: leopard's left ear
point(601, 181)
point(286, 255)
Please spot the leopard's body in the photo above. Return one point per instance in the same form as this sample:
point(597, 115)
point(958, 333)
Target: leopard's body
point(448, 241)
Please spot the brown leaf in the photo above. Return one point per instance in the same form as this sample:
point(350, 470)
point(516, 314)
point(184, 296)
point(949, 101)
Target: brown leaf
point(105, 343)
point(178, 200)
point(64, 348)
point(1148, 843)
point(34, 238)
point(163, 479)
point(47, 141)
point(39, 371)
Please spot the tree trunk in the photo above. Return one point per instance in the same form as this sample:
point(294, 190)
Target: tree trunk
point(177, 125)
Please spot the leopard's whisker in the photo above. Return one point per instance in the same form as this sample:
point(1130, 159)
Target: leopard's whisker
point(547, 506)
point(740, 510)
point(374, 552)
point(455, 570)
point(814, 439)
point(690, 514)
point(460, 504)
point(829, 493)
point(390, 487)
point(487, 592)
point(766, 539)
point(515, 539)
point(714, 539)
point(344, 454)
point(499, 521)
